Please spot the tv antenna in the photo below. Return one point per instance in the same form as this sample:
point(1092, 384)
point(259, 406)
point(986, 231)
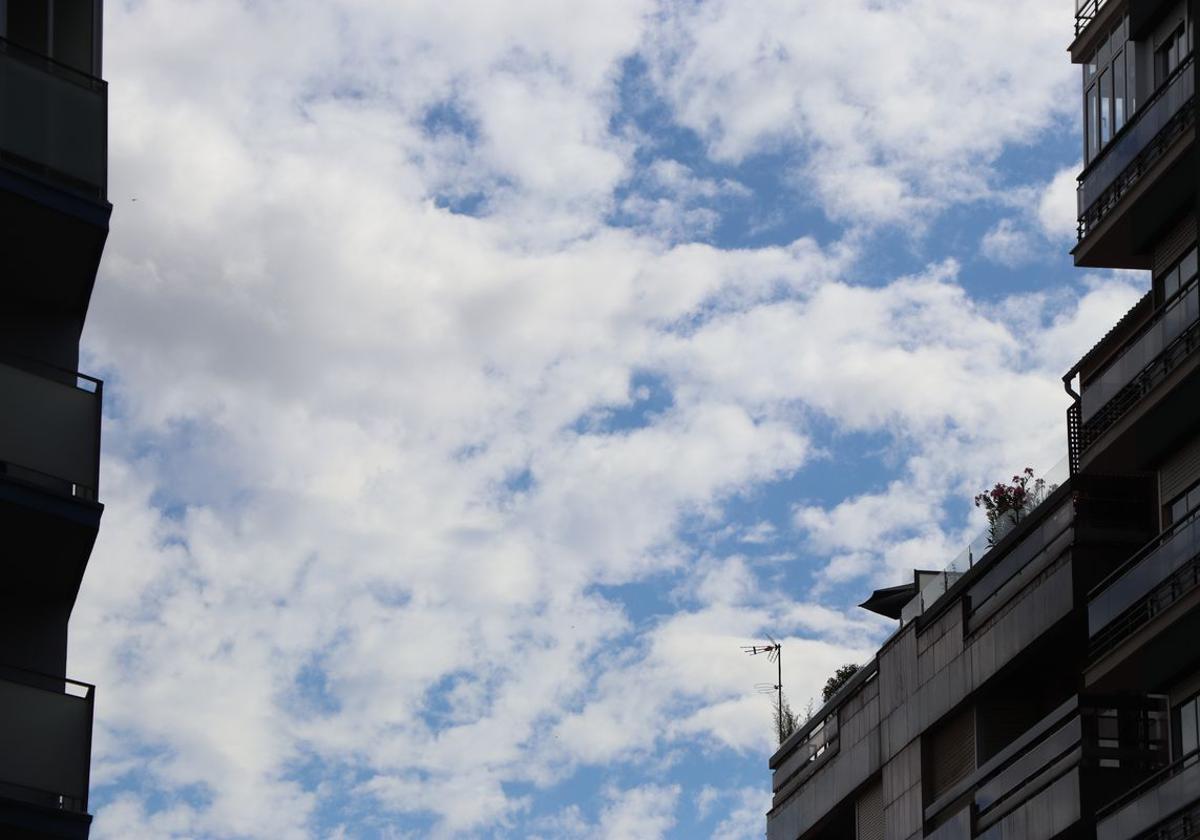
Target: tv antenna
point(774, 652)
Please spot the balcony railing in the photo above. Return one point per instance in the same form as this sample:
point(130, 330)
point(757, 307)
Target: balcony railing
point(1121, 734)
point(1157, 576)
point(1143, 140)
point(817, 740)
point(45, 739)
point(53, 120)
point(1172, 334)
point(980, 547)
point(50, 427)
point(1163, 805)
point(1085, 13)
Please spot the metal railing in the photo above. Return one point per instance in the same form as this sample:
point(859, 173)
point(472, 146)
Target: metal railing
point(45, 739)
point(1085, 13)
point(1169, 772)
point(1157, 576)
point(1143, 360)
point(1074, 448)
point(1142, 141)
point(50, 427)
point(53, 120)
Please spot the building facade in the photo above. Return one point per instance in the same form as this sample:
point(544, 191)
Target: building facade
point(1047, 683)
point(54, 216)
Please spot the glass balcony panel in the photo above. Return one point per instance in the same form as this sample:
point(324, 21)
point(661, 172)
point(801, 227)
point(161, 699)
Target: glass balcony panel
point(45, 739)
point(50, 428)
point(1170, 324)
point(53, 118)
point(1172, 553)
point(1029, 765)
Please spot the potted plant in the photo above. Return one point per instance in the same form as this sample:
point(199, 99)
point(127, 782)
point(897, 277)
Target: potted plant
point(1007, 504)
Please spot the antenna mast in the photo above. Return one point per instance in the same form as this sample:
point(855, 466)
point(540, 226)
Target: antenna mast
point(774, 652)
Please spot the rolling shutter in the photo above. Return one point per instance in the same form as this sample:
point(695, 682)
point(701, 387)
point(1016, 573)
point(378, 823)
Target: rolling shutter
point(950, 756)
point(868, 813)
point(1173, 245)
point(1180, 472)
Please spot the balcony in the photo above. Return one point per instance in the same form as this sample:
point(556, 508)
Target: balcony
point(45, 741)
point(1157, 578)
point(1167, 805)
point(1138, 366)
point(827, 758)
point(1143, 141)
point(50, 428)
point(1089, 746)
point(53, 121)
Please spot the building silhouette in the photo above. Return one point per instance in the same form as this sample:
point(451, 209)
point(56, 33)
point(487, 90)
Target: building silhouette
point(53, 223)
point(1046, 683)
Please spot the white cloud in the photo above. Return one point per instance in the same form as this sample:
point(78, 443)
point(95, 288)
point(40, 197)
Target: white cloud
point(644, 813)
point(899, 104)
point(1007, 244)
point(1057, 209)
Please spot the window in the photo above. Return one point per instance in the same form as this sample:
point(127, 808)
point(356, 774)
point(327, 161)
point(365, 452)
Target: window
point(1118, 70)
point(1187, 727)
point(1105, 107)
point(1183, 505)
point(1168, 55)
point(1093, 119)
point(1109, 77)
point(1131, 78)
point(60, 29)
point(1178, 277)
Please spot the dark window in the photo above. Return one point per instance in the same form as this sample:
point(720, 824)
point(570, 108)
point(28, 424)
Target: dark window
point(28, 25)
point(1168, 55)
point(1183, 505)
point(73, 33)
point(1168, 284)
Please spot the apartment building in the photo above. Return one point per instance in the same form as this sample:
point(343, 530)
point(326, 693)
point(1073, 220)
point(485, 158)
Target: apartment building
point(54, 217)
point(1046, 683)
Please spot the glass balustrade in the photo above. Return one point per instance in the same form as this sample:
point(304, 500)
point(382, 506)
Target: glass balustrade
point(1156, 565)
point(50, 427)
point(45, 739)
point(1171, 322)
point(53, 119)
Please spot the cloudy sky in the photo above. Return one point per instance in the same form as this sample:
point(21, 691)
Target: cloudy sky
point(481, 376)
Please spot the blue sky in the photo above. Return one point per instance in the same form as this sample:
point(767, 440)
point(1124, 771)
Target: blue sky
point(482, 377)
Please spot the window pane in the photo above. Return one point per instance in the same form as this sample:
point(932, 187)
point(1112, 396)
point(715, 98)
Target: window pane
point(1105, 107)
point(1170, 283)
point(1115, 39)
point(1092, 131)
point(1178, 510)
point(1131, 77)
point(1118, 92)
point(1187, 266)
point(1187, 726)
point(1193, 499)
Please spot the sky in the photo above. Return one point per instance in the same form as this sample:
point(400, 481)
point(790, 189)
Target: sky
point(480, 377)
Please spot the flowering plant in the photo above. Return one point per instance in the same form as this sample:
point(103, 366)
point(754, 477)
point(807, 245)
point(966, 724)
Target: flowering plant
point(1007, 504)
